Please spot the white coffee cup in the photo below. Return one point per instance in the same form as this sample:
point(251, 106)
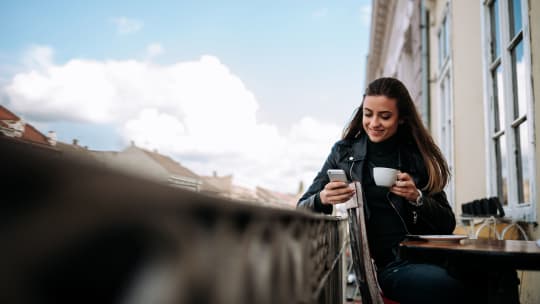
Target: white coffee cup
point(385, 177)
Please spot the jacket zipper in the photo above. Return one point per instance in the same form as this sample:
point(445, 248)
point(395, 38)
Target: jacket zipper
point(401, 218)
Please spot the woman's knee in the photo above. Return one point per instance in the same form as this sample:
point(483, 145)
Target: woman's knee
point(422, 283)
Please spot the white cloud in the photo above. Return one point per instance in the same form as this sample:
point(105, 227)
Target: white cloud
point(126, 25)
point(154, 49)
point(365, 14)
point(320, 13)
point(198, 112)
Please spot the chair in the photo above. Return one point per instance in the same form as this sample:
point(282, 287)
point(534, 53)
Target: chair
point(366, 275)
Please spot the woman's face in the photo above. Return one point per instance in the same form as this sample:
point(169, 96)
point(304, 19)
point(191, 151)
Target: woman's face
point(380, 117)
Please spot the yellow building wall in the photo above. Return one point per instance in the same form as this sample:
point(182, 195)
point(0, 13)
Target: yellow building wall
point(530, 282)
point(469, 153)
point(468, 113)
point(469, 136)
point(534, 25)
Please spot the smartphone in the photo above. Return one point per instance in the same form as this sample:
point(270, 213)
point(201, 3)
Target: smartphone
point(337, 175)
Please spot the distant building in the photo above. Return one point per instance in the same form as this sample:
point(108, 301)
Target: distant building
point(219, 185)
point(143, 163)
point(276, 199)
point(245, 194)
point(224, 187)
point(74, 150)
point(151, 165)
point(12, 126)
point(261, 196)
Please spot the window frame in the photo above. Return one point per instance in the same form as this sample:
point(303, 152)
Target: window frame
point(446, 97)
point(525, 211)
point(443, 42)
point(446, 125)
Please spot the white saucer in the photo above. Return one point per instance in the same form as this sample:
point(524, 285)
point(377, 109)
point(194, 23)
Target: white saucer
point(441, 237)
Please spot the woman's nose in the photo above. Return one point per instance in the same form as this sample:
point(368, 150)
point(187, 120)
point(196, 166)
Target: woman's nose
point(375, 122)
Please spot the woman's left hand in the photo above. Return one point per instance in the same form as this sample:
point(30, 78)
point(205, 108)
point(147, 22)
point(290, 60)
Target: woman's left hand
point(405, 187)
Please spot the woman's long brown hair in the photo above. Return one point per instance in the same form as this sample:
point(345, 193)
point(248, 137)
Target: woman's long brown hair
point(412, 126)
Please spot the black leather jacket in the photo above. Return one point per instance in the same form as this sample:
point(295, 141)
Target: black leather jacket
point(434, 217)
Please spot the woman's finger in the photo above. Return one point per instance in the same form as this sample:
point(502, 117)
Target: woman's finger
point(339, 194)
point(404, 192)
point(335, 185)
point(404, 177)
point(338, 199)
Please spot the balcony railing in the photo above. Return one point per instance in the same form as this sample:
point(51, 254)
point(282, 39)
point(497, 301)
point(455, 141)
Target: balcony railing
point(74, 232)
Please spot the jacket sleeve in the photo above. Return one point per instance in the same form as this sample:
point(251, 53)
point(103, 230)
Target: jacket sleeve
point(311, 199)
point(435, 216)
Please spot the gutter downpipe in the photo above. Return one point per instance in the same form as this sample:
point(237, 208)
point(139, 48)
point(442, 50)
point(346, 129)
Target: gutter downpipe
point(425, 63)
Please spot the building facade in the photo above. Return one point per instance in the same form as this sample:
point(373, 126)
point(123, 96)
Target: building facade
point(473, 69)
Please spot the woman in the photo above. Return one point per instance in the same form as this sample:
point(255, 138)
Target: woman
point(386, 131)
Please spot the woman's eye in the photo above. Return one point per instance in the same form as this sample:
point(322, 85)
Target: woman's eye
point(386, 117)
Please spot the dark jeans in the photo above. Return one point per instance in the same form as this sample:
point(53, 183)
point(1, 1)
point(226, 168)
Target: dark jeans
point(406, 282)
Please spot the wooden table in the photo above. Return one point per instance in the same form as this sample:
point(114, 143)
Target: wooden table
point(491, 258)
point(524, 255)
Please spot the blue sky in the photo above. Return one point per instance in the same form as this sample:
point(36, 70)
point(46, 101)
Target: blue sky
point(289, 71)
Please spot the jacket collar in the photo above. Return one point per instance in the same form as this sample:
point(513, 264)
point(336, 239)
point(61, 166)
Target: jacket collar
point(359, 148)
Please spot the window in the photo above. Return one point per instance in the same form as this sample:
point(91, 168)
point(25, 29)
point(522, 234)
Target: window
point(509, 106)
point(445, 98)
point(445, 131)
point(444, 41)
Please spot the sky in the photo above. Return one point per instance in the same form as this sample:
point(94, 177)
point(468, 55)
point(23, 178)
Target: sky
point(257, 89)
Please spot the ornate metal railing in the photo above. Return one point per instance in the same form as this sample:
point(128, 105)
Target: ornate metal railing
point(73, 232)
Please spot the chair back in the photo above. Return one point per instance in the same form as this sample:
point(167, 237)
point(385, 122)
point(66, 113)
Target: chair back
point(366, 275)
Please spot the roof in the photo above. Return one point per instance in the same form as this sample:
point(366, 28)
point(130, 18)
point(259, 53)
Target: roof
point(222, 183)
point(210, 188)
point(244, 194)
point(382, 12)
point(276, 198)
point(170, 165)
point(75, 150)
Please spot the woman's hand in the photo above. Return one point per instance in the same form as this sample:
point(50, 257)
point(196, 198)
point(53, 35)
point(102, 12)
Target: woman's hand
point(405, 187)
point(336, 193)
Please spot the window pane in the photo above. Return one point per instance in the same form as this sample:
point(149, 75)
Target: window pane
point(498, 98)
point(446, 39)
point(495, 29)
point(445, 118)
point(502, 172)
point(443, 43)
point(518, 71)
point(522, 162)
point(440, 49)
point(515, 15)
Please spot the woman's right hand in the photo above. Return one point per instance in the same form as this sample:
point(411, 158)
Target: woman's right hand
point(336, 193)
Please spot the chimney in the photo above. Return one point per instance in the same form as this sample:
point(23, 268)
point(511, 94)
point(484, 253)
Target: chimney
point(75, 142)
point(214, 173)
point(300, 188)
point(15, 128)
point(132, 143)
point(51, 138)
